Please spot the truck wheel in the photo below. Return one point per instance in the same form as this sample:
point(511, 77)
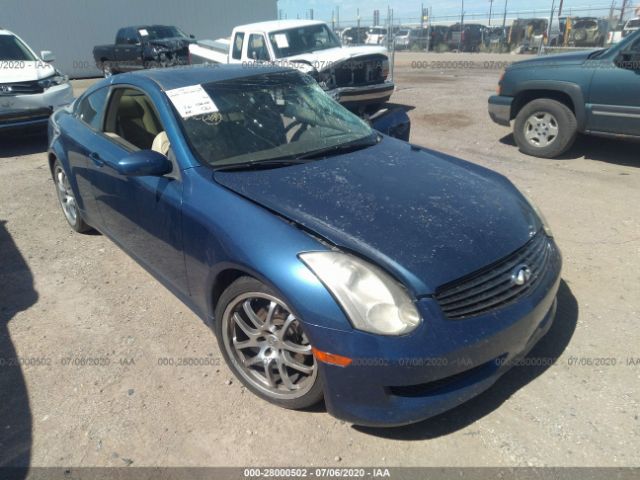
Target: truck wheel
point(545, 128)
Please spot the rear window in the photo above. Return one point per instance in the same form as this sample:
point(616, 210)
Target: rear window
point(11, 48)
point(633, 23)
point(585, 24)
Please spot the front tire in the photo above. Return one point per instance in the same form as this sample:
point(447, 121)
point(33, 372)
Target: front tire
point(67, 199)
point(545, 128)
point(264, 344)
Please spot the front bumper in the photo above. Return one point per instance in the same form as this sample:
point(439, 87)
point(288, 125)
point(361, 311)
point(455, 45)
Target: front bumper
point(500, 109)
point(363, 95)
point(400, 380)
point(20, 111)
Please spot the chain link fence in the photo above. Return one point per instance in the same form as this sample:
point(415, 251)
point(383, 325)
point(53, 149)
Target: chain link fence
point(556, 28)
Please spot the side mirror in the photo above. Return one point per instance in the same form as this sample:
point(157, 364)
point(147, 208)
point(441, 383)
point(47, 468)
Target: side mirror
point(144, 163)
point(47, 56)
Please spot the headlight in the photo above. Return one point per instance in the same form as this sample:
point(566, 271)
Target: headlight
point(53, 80)
point(373, 300)
point(538, 212)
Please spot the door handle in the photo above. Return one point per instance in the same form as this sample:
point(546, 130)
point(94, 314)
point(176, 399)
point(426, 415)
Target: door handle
point(96, 159)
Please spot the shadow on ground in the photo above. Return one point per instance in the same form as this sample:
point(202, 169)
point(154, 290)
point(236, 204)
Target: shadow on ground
point(23, 143)
point(549, 347)
point(17, 293)
point(616, 152)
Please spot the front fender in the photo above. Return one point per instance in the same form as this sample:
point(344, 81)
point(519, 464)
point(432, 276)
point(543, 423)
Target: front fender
point(573, 90)
point(224, 231)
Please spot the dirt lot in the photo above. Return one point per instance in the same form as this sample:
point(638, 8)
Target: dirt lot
point(64, 295)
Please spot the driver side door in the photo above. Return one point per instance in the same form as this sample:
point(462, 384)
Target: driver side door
point(614, 97)
point(143, 214)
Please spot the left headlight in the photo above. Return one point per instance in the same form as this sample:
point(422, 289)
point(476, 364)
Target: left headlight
point(538, 212)
point(55, 79)
point(373, 301)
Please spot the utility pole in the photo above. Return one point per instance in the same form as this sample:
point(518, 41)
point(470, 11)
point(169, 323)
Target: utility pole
point(490, 10)
point(553, 10)
point(421, 17)
point(504, 17)
point(338, 16)
point(461, 25)
point(333, 20)
point(311, 14)
point(623, 10)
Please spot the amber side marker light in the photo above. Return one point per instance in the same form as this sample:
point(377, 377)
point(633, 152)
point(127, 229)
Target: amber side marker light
point(331, 358)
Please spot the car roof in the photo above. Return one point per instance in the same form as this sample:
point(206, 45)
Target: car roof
point(5, 32)
point(178, 77)
point(146, 26)
point(275, 25)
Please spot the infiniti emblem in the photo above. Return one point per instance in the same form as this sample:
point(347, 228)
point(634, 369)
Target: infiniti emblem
point(521, 275)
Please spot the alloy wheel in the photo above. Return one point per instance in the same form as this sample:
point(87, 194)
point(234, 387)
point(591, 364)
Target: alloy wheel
point(65, 195)
point(267, 346)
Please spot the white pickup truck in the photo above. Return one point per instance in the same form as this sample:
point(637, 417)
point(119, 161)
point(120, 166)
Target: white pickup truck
point(356, 76)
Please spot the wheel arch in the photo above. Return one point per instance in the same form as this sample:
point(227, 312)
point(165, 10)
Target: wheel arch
point(569, 94)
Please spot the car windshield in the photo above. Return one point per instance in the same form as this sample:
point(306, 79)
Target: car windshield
point(11, 48)
point(270, 116)
point(159, 32)
point(633, 23)
point(403, 33)
point(296, 41)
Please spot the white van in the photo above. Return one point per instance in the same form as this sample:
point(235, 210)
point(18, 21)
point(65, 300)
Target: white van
point(30, 87)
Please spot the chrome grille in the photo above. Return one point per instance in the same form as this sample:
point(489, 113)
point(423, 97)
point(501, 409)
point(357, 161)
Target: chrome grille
point(494, 287)
point(20, 88)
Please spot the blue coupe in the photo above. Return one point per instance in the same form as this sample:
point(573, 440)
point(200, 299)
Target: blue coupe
point(331, 261)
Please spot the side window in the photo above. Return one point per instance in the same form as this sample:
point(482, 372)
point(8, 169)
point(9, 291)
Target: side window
point(91, 108)
point(257, 48)
point(132, 36)
point(132, 120)
point(236, 54)
point(121, 37)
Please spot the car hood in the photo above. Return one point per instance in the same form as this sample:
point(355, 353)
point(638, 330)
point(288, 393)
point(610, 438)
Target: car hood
point(26, 72)
point(426, 217)
point(326, 59)
point(572, 58)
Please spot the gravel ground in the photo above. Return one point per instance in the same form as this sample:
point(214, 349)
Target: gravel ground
point(66, 296)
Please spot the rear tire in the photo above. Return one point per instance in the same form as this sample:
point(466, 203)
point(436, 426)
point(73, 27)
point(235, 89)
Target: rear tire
point(545, 128)
point(67, 199)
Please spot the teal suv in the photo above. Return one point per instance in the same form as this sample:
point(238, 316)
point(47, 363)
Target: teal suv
point(552, 99)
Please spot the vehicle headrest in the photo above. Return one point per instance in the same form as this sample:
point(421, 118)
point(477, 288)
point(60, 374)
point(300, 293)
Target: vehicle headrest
point(130, 108)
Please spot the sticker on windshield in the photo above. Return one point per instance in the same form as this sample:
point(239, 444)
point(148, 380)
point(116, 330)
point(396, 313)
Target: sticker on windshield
point(191, 101)
point(143, 32)
point(281, 40)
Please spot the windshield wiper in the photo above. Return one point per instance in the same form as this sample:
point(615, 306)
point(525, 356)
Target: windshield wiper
point(261, 164)
point(289, 160)
point(342, 148)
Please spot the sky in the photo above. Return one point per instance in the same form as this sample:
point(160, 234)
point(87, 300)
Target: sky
point(408, 11)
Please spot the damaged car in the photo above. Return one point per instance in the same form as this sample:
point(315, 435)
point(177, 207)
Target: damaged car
point(146, 46)
point(31, 88)
point(356, 76)
point(331, 261)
